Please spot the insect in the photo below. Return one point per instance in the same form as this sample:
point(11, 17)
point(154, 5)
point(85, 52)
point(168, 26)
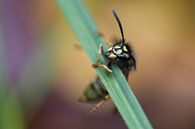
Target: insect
point(120, 54)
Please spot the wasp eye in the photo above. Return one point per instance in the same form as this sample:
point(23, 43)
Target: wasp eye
point(117, 50)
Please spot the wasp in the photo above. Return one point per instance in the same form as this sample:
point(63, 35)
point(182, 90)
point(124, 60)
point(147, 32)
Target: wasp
point(120, 54)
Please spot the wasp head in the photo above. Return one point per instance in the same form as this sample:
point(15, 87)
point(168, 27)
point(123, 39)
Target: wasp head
point(118, 50)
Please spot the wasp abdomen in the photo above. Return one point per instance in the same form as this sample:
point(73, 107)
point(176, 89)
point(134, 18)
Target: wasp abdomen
point(94, 92)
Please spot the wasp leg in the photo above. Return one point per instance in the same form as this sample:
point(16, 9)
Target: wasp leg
point(98, 105)
point(102, 65)
point(97, 64)
point(100, 53)
point(100, 50)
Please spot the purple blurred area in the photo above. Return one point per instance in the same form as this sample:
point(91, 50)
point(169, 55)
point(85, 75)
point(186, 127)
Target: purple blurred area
point(48, 74)
point(19, 32)
point(23, 27)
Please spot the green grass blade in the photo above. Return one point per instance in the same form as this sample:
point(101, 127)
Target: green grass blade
point(116, 84)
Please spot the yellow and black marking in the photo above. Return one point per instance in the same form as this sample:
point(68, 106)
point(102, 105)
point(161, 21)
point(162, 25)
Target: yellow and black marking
point(94, 92)
point(119, 54)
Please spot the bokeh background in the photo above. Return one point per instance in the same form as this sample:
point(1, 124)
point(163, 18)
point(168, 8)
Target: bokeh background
point(42, 73)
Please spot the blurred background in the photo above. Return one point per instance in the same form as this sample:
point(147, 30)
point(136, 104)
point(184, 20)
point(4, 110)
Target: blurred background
point(42, 74)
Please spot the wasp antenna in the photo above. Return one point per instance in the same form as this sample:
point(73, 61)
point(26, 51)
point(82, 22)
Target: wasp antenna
point(120, 25)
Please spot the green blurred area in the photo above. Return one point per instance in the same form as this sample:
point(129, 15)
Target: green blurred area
point(54, 75)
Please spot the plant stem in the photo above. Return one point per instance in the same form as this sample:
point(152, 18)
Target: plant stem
point(86, 31)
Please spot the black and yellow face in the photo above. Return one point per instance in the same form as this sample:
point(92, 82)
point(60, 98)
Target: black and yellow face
point(118, 51)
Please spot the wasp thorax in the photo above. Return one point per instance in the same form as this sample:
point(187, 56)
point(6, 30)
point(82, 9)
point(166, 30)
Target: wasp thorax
point(118, 51)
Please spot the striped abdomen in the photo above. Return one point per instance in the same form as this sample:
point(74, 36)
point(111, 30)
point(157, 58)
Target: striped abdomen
point(94, 92)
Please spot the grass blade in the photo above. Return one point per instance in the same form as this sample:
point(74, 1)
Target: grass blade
point(116, 84)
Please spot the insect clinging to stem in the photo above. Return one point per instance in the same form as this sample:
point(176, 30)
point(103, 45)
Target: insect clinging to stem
point(120, 54)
